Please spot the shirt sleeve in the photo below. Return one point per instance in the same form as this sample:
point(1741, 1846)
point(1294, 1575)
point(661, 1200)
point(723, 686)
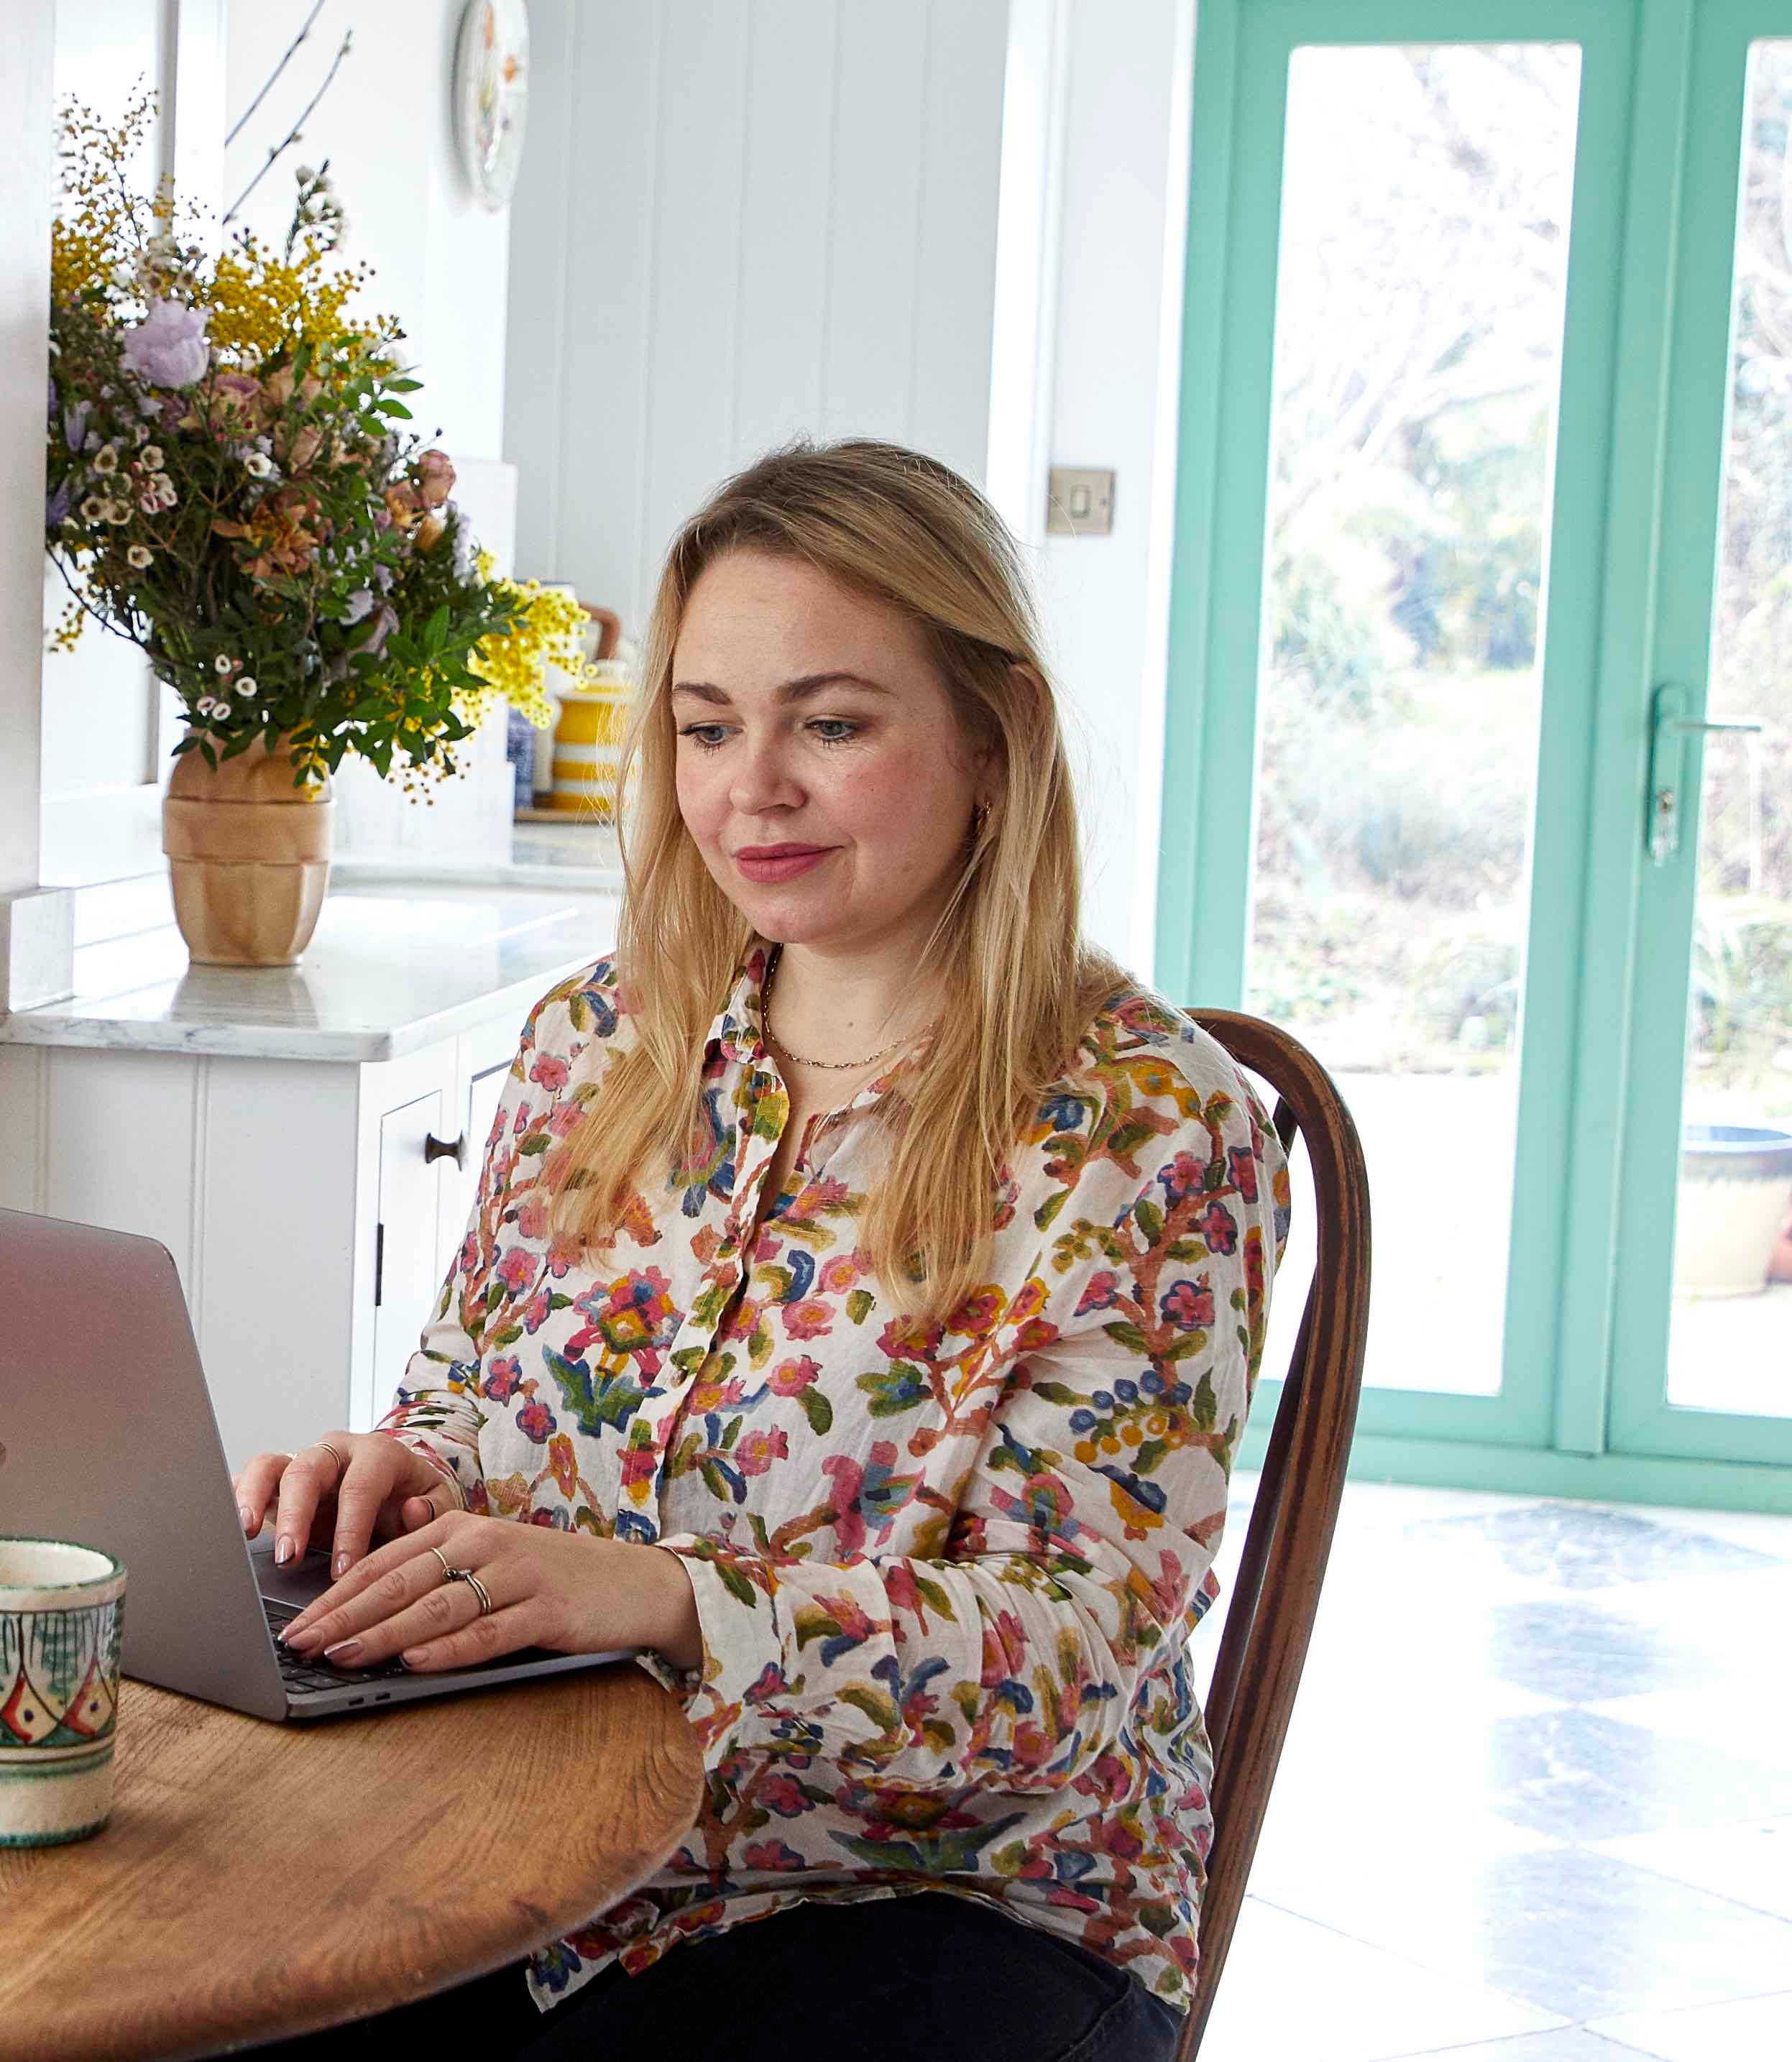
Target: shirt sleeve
point(1080, 1556)
point(437, 1410)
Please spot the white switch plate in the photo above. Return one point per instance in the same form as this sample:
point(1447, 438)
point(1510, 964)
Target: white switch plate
point(1079, 502)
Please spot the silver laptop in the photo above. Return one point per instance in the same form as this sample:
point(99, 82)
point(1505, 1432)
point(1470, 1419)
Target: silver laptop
point(107, 1437)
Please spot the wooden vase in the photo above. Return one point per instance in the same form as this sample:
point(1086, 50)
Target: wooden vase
point(248, 855)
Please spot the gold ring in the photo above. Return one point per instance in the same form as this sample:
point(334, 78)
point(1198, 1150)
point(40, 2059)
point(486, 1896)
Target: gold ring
point(342, 1465)
point(447, 1573)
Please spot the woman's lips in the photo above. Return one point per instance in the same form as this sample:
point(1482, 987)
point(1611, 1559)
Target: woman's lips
point(781, 866)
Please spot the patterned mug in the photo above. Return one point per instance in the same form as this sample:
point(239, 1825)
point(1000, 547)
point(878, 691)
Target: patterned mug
point(62, 1622)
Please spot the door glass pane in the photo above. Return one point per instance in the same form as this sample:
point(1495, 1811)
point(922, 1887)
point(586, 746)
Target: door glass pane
point(1730, 1342)
point(1424, 255)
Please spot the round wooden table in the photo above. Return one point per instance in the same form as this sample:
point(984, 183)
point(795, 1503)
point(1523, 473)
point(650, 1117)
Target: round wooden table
point(260, 1880)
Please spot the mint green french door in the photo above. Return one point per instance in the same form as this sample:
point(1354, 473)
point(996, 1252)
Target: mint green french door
point(1702, 1344)
point(1464, 526)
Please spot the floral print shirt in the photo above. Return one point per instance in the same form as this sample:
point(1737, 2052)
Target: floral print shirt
point(946, 1575)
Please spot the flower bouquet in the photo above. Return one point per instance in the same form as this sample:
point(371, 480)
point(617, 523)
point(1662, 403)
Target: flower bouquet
point(231, 487)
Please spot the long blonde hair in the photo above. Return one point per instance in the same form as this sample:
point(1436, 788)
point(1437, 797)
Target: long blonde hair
point(905, 530)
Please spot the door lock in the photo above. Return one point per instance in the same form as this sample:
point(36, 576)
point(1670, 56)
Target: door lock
point(1670, 728)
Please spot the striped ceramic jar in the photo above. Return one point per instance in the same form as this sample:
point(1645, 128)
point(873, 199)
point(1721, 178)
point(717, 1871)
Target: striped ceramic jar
point(588, 747)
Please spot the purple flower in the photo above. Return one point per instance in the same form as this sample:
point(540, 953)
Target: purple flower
point(55, 507)
point(167, 348)
point(74, 424)
point(358, 604)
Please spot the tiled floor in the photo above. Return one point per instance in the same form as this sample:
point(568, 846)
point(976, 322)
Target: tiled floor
point(1536, 1804)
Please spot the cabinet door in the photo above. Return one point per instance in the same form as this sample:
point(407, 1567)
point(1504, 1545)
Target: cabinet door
point(408, 1266)
point(460, 1184)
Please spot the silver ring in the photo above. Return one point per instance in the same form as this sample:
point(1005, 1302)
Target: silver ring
point(467, 1575)
point(447, 1572)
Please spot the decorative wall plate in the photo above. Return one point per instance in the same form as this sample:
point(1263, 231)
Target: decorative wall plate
point(490, 96)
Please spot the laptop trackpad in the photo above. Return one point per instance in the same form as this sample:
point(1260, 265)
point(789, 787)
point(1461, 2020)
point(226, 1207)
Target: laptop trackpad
point(300, 1582)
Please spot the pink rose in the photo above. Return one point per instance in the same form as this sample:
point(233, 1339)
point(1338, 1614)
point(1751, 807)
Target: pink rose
point(237, 401)
point(435, 478)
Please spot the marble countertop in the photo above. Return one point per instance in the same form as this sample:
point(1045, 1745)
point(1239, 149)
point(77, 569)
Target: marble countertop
point(561, 855)
point(390, 969)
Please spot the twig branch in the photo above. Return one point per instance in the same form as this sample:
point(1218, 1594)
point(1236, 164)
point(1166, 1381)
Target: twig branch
point(105, 622)
point(292, 134)
point(274, 74)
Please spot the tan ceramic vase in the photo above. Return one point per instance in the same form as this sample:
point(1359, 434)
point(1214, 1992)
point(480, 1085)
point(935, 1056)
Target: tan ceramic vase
point(249, 856)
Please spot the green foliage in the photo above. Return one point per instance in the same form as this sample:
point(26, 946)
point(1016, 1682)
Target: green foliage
point(249, 514)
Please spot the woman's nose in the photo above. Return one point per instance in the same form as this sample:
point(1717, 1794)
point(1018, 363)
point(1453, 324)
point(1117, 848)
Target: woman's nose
point(762, 778)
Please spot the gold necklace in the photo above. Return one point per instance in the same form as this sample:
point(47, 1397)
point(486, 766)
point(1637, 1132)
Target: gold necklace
point(834, 1066)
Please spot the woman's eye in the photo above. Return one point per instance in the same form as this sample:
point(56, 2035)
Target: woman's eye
point(842, 728)
point(706, 735)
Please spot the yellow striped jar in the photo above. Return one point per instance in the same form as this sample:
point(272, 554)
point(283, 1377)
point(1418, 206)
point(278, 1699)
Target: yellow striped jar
point(588, 746)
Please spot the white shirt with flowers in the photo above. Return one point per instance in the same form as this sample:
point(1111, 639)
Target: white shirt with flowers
point(946, 1575)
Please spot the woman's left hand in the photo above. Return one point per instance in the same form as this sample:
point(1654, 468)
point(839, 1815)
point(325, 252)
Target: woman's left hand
point(570, 1592)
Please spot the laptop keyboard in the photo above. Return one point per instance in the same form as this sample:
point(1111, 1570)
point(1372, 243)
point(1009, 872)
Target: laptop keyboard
point(301, 1673)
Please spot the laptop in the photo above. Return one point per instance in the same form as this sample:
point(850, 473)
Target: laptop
point(107, 1437)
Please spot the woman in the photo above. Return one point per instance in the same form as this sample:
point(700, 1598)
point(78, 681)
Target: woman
point(861, 1308)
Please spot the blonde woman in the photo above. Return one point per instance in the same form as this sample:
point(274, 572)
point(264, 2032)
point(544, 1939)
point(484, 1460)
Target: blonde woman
point(859, 1317)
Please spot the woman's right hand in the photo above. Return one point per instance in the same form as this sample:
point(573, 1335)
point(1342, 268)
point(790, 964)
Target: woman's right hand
point(383, 1490)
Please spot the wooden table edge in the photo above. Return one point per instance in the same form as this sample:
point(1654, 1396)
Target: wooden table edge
point(200, 2024)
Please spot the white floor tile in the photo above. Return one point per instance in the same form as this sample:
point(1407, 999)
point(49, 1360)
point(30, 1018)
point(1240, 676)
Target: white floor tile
point(1744, 2030)
point(1750, 1863)
point(1768, 1532)
point(1373, 1504)
point(1757, 1729)
point(1295, 1992)
point(1299, 1856)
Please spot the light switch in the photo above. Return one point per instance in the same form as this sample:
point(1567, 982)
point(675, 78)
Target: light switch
point(1080, 502)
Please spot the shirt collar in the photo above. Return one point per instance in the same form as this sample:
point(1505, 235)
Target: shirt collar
point(738, 1024)
point(738, 1027)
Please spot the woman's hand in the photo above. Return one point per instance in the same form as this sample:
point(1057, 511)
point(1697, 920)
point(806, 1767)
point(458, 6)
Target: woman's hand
point(383, 1488)
point(570, 1592)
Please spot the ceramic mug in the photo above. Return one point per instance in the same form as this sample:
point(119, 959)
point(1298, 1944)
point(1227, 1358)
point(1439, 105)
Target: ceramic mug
point(61, 1625)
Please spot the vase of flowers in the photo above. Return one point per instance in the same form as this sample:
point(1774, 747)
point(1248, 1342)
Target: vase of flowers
point(230, 486)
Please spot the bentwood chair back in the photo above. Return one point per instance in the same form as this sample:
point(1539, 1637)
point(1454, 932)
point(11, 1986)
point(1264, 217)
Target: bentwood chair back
point(1274, 1596)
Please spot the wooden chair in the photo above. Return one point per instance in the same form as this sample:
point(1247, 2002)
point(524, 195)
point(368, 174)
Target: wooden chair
point(1269, 1619)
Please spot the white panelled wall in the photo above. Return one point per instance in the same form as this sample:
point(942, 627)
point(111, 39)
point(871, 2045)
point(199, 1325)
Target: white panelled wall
point(1117, 206)
point(738, 220)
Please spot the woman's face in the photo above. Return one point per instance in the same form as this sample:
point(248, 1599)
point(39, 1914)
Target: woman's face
point(820, 766)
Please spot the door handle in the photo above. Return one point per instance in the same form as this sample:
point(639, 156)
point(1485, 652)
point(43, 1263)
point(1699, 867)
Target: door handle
point(444, 1148)
point(1669, 727)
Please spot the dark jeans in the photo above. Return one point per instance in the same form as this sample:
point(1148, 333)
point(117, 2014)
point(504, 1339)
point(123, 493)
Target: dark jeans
point(923, 1974)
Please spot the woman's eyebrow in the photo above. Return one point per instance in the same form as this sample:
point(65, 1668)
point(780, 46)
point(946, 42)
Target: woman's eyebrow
point(791, 691)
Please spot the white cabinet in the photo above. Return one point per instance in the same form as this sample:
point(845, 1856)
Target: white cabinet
point(407, 1232)
point(312, 1205)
